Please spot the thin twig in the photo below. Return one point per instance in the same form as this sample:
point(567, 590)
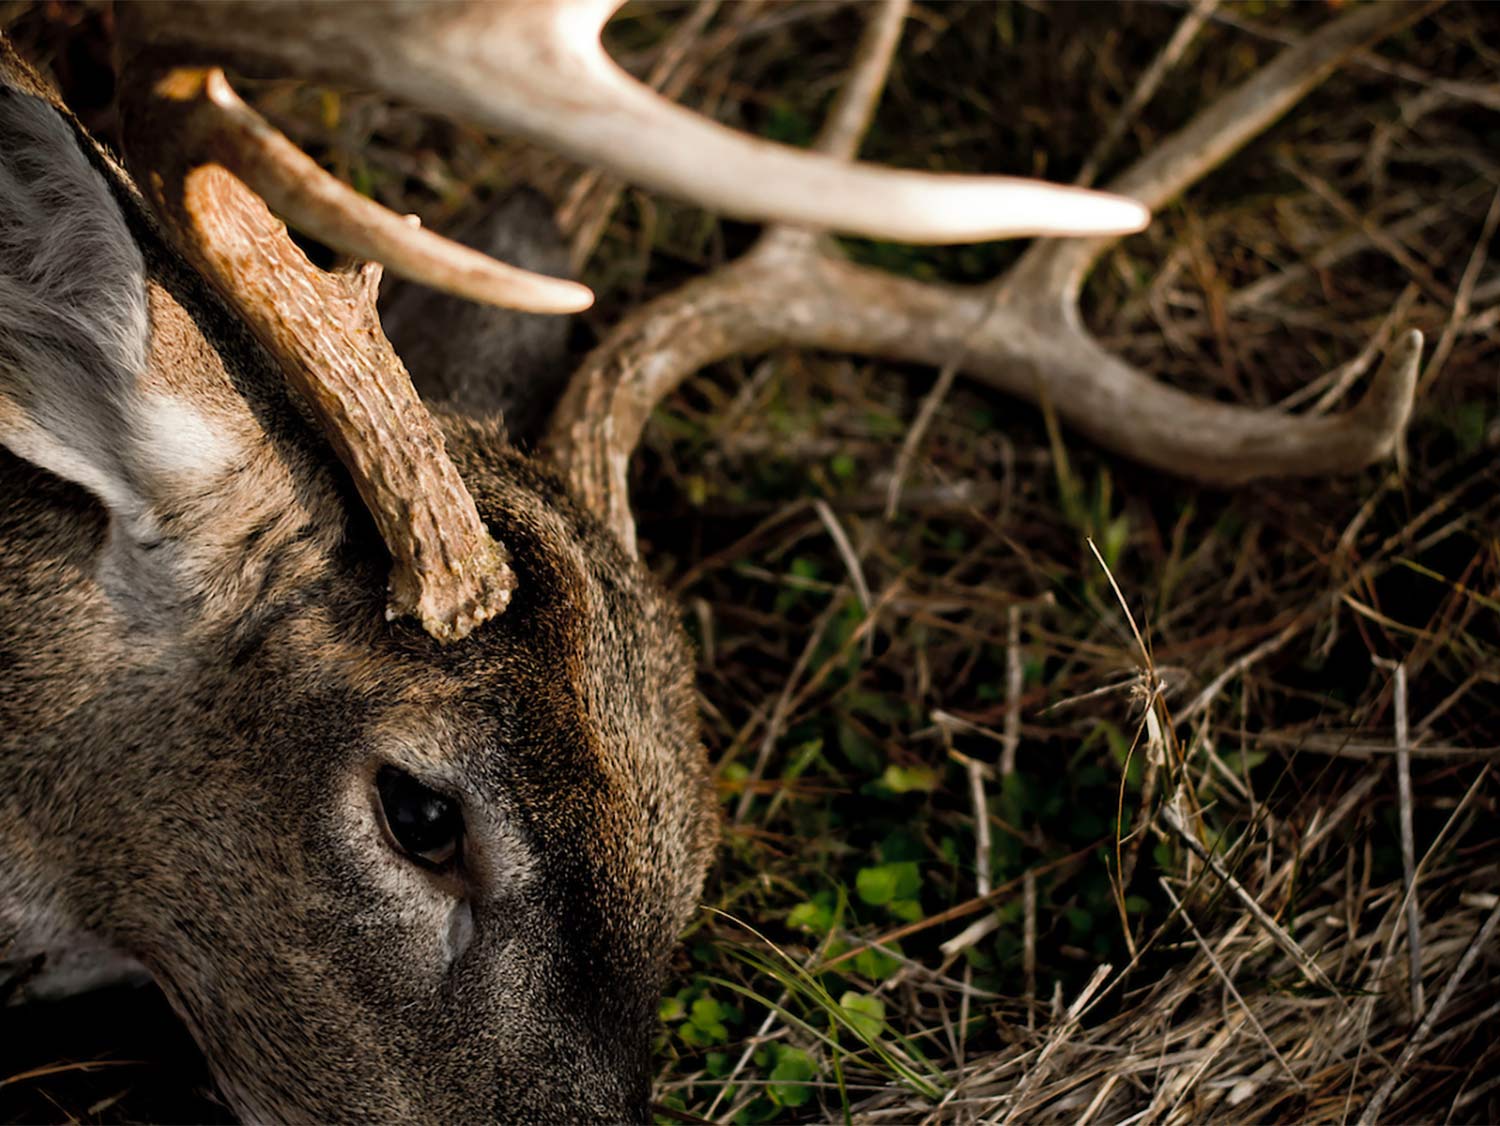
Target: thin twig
point(783, 708)
point(1462, 298)
point(849, 120)
point(1240, 664)
point(1028, 946)
point(915, 433)
point(1145, 89)
point(1060, 1033)
point(1223, 974)
point(982, 885)
point(1310, 969)
point(1345, 246)
point(1015, 681)
point(846, 553)
point(1330, 388)
point(1408, 844)
point(1382, 239)
point(1414, 1046)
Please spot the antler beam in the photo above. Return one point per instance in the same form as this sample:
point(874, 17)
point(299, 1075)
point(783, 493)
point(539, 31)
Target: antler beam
point(1021, 334)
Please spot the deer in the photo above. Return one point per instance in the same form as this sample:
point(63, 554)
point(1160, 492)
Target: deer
point(367, 736)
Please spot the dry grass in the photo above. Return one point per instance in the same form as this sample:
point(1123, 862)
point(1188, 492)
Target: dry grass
point(1243, 869)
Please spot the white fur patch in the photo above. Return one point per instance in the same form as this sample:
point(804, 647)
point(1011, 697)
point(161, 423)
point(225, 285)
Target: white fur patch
point(460, 931)
point(177, 442)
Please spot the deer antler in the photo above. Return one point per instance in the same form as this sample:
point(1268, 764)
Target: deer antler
point(1021, 333)
point(537, 68)
point(323, 330)
point(202, 157)
point(319, 205)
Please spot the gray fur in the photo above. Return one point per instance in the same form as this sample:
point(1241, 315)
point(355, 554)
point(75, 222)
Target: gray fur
point(478, 359)
point(190, 727)
point(72, 306)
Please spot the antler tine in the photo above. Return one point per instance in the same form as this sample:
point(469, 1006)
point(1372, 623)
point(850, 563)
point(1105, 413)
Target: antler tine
point(319, 205)
point(323, 330)
point(539, 69)
point(1021, 334)
point(295, 188)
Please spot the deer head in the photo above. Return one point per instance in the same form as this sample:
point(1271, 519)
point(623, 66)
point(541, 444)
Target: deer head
point(431, 871)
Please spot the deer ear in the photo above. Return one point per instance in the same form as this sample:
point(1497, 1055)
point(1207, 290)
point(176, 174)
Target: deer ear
point(75, 329)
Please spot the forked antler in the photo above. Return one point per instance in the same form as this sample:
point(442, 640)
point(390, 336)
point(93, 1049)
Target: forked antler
point(202, 155)
point(1021, 333)
point(538, 68)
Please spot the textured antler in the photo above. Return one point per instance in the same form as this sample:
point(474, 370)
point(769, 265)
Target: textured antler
point(533, 67)
point(323, 330)
point(315, 202)
point(536, 67)
point(1021, 334)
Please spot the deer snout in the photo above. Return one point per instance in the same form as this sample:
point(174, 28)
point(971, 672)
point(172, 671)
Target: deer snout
point(587, 1085)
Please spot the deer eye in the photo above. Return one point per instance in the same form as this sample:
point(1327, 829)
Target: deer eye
point(427, 826)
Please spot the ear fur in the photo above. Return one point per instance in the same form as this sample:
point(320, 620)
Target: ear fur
point(108, 380)
point(73, 324)
point(75, 331)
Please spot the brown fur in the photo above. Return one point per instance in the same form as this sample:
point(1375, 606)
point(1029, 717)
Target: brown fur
point(189, 729)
